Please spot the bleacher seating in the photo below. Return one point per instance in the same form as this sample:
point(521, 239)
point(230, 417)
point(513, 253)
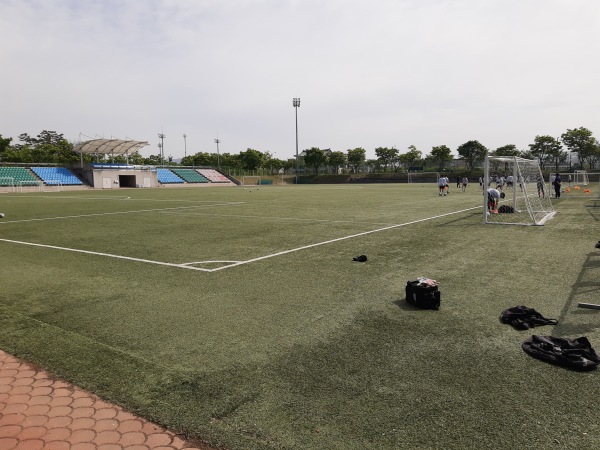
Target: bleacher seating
point(56, 176)
point(214, 176)
point(190, 175)
point(19, 175)
point(166, 176)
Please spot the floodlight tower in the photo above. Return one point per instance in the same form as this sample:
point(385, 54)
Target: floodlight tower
point(218, 141)
point(162, 148)
point(184, 145)
point(296, 106)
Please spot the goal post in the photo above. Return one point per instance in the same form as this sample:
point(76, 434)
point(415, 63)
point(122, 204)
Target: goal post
point(581, 178)
point(526, 197)
point(52, 185)
point(249, 180)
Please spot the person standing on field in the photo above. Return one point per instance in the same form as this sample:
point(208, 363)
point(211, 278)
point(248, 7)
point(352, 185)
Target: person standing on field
point(465, 182)
point(442, 185)
point(557, 184)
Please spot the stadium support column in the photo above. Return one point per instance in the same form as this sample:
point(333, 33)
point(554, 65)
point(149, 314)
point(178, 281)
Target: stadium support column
point(296, 106)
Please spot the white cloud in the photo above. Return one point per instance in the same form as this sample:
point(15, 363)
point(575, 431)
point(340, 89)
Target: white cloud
point(369, 73)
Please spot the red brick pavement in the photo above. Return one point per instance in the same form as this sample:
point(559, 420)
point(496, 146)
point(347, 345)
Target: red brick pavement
point(38, 412)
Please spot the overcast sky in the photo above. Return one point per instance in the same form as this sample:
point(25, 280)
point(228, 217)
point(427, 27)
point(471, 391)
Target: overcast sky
point(369, 73)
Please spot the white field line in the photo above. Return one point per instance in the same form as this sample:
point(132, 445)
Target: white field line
point(190, 266)
point(239, 263)
point(123, 212)
point(294, 219)
point(106, 254)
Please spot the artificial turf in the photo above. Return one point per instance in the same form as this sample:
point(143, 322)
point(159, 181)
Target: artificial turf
point(306, 349)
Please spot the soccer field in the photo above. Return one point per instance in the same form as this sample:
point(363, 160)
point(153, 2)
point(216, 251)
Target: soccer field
point(238, 317)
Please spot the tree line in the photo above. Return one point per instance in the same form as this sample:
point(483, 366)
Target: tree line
point(50, 147)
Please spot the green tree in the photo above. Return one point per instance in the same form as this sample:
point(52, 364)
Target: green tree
point(472, 152)
point(386, 156)
point(356, 158)
point(581, 142)
point(315, 157)
point(337, 160)
point(4, 145)
point(411, 157)
point(506, 150)
point(252, 159)
point(544, 147)
point(440, 155)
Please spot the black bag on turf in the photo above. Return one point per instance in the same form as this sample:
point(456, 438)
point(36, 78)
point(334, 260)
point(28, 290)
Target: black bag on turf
point(422, 296)
point(505, 209)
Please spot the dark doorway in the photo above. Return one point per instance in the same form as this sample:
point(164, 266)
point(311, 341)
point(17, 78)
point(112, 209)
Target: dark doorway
point(127, 181)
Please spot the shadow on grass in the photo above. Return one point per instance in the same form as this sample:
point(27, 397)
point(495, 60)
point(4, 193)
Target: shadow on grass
point(573, 321)
point(594, 213)
point(405, 306)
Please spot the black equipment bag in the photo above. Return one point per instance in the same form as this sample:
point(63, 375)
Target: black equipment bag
point(422, 295)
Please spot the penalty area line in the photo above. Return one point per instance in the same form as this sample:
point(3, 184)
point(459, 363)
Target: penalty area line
point(110, 255)
point(260, 258)
point(190, 265)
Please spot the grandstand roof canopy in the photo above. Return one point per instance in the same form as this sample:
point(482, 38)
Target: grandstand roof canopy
point(109, 146)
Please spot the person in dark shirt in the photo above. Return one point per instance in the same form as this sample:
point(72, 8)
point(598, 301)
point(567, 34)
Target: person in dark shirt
point(557, 184)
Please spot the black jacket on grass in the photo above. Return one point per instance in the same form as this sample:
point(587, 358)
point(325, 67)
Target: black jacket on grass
point(576, 354)
point(523, 318)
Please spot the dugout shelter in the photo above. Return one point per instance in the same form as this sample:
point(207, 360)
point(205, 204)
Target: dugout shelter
point(112, 175)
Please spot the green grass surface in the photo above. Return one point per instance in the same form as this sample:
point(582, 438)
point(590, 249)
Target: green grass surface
point(300, 347)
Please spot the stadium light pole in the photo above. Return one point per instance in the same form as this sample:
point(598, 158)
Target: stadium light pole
point(162, 148)
point(217, 141)
point(184, 145)
point(296, 106)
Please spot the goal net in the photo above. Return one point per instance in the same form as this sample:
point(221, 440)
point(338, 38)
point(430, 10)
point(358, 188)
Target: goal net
point(581, 178)
point(52, 186)
point(8, 183)
point(526, 199)
point(251, 180)
point(30, 185)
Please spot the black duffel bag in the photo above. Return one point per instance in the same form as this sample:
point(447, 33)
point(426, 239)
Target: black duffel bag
point(422, 295)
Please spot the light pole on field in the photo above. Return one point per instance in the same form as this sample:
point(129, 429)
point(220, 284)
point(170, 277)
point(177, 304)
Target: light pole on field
point(218, 141)
point(296, 106)
point(184, 145)
point(162, 148)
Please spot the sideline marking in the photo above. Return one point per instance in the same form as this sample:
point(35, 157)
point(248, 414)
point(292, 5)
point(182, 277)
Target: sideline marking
point(125, 212)
point(342, 239)
point(88, 252)
point(238, 263)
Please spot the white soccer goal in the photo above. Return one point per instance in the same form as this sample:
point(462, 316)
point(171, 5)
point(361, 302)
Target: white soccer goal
point(527, 199)
point(26, 185)
point(52, 186)
point(249, 180)
point(581, 178)
point(8, 183)
point(573, 184)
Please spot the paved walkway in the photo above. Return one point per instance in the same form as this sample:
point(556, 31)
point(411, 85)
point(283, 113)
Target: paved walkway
point(38, 412)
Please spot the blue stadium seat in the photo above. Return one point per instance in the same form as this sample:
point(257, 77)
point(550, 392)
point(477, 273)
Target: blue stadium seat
point(56, 175)
point(165, 176)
